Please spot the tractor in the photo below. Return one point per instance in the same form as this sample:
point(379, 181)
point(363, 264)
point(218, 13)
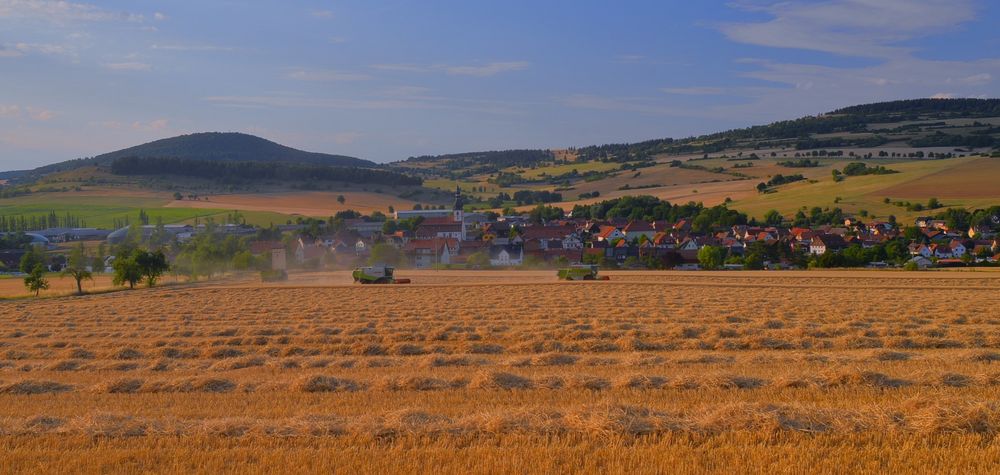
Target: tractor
point(377, 274)
point(579, 272)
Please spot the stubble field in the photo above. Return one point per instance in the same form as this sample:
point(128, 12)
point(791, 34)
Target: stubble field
point(510, 372)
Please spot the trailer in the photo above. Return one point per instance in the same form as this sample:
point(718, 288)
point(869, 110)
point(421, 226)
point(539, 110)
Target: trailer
point(580, 272)
point(377, 274)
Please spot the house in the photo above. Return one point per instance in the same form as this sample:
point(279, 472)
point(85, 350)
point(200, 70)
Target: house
point(363, 227)
point(308, 251)
point(637, 228)
point(609, 233)
point(957, 248)
point(451, 230)
point(264, 247)
point(918, 249)
point(823, 243)
point(509, 255)
point(428, 252)
point(941, 251)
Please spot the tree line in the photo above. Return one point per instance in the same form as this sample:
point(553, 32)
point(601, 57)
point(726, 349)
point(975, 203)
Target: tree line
point(229, 170)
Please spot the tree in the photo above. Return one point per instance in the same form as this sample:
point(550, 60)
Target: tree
point(127, 270)
point(772, 217)
point(711, 257)
point(76, 267)
point(152, 265)
point(31, 259)
point(178, 196)
point(479, 259)
point(383, 253)
point(341, 199)
point(36, 281)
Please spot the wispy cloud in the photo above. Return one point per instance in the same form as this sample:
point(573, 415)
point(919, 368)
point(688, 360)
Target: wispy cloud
point(160, 16)
point(187, 47)
point(10, 110)
point(8, 52)
point(41, 48)
point(481, 70)
point(863, 28)
point(128, 66)
point(326, 76)
point(490, 69)
point(401, 102)
point(321, 14)
point(695, 91)
point(14, 111)
point(61, 11)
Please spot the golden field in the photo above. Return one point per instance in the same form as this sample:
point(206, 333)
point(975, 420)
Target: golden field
point(461, 372)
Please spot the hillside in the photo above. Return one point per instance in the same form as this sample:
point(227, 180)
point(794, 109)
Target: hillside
point(921, 139)
point(210, 146)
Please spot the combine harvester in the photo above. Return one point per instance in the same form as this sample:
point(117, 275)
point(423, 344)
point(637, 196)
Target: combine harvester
point(377, 274)
point(580, 272)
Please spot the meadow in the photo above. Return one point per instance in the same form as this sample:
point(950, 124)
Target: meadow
point(510, 372)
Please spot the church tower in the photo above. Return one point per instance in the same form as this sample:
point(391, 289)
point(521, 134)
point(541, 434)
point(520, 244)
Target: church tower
point(458, 213)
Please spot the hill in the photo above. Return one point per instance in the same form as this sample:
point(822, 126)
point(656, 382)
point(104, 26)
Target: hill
point(210, 146)
point(922, 139)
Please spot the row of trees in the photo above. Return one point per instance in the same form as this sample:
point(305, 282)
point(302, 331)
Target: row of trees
point(229, 170)
point(21, 223)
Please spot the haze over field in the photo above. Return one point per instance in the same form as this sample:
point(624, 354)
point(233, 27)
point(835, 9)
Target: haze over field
point(384, 81)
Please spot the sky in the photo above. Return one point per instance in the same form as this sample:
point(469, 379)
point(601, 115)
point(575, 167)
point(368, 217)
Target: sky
point(386, 80)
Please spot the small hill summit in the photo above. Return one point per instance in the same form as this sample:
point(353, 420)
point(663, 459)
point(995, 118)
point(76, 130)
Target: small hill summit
point(229, 146)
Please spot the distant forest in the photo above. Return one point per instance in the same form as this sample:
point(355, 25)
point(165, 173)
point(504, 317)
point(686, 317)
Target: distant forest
point(484, 162)
point(850, 119)
point(227, 170)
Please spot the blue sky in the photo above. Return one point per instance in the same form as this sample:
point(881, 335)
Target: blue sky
point(385, 80)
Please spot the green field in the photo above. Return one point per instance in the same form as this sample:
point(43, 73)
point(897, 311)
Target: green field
point(104, 211)
point(869, 192)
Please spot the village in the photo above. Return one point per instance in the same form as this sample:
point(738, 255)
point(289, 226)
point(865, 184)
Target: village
point(454, 238)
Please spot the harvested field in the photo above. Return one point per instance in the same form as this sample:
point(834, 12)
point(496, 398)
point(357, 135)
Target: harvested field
point(304, 203)
point(511, 372)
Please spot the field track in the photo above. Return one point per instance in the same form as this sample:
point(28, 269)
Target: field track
point(651, 372)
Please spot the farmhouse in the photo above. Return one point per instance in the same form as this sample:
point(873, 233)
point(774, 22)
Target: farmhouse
point(824, 243)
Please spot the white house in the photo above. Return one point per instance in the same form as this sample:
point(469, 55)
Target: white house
point(504, 256)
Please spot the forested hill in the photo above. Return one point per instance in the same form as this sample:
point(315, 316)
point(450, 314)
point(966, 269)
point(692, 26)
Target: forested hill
point(230, 146)
point(210, 146)
point(855, 122)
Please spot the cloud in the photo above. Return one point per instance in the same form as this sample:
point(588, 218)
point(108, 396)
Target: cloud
point(8, 52)
point(40, 114)
point(159, 16)
point(694, 91)
point(15, 111)
point(487, 69)
point(278, 101)
point(336, 40)
point(47, 49)
point(326, 76)
point(10, 110)
point(483, 70)
point(321, 14)
point(181, 47)
point(861, 28)
point(60, 11)
point(128, 66)
point(944, 95)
